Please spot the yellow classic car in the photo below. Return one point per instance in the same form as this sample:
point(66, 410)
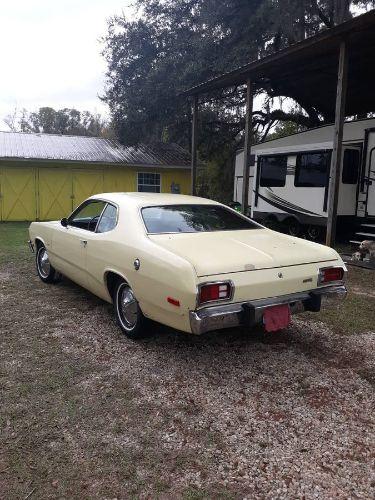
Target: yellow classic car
point(187, 262)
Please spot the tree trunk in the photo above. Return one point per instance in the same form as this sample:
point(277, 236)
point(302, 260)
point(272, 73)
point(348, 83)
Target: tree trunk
point(341, 11)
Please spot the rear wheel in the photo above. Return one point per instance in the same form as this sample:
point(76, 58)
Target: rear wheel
point(128, 313)
point(46, 272)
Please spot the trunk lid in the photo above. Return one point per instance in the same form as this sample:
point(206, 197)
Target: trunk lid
point(222, 252)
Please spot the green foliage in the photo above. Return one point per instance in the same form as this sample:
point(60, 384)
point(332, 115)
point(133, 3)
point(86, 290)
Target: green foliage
point(63, 121)
point(283, 129)
point(176, 44)
point(215, 181)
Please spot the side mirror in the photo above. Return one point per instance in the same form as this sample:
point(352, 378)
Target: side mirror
point(64, 222)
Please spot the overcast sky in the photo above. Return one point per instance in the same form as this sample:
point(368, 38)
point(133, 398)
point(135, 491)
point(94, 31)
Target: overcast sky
point(50, 53)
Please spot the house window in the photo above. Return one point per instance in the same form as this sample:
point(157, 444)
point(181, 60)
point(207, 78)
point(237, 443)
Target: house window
point(148, 182)
point(350, 167)
point(273, 170)
point(312, 169)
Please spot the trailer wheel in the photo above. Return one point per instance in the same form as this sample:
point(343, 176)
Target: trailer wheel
point(313, 232)
point(270, 222)
point(294, 227)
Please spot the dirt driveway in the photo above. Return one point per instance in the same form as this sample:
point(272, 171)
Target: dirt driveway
point(86, 413)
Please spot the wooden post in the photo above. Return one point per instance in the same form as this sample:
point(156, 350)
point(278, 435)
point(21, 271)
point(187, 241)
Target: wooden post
point(334, 182)
point(194, 130)
point(247, 145)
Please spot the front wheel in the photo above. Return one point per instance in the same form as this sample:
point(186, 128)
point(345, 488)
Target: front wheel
point(128, 313)
point(46, 272)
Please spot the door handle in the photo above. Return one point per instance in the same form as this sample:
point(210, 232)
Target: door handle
point(83, 243)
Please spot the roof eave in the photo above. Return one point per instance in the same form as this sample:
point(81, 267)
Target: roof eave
point(97, 163)
point(239, 75)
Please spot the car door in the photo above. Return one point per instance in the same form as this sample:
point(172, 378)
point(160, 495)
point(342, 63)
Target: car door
point(69, 243)
point(350, 167)
point(99, 250)
point(370, 179)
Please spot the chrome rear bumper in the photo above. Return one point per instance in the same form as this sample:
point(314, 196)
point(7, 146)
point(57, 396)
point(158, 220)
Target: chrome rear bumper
point(251, 313)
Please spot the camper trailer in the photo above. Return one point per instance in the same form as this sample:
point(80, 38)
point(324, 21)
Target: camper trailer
point(290, 181)
point(238, 178)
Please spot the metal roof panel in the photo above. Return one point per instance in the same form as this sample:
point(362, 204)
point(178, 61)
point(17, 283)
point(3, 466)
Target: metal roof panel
point(22, 145)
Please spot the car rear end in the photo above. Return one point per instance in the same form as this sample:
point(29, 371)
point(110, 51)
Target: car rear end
point(246, 274)
point(242, 298)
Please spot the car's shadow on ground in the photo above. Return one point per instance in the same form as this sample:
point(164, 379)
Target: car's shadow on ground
point(306, 340)
point(157, 333)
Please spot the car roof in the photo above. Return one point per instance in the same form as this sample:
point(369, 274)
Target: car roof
point(147, 199)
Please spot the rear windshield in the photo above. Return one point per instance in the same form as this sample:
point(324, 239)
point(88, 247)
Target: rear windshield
point(193, 219)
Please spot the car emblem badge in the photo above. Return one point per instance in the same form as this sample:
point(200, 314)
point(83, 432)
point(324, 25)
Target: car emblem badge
point(280, 275)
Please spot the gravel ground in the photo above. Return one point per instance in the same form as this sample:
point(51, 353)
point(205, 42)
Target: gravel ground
point(87, 413)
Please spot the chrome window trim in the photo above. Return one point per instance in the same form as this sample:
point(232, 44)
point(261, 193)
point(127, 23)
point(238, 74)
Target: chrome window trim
point(83, 204)
point(86, 202)
point(117, 216)
point(140, 209)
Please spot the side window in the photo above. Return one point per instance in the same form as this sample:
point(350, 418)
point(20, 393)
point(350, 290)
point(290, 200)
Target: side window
point(312, 169)
point(273, 170)
point(350, 167)
point(148, 182)
point(108, 220)
point(87, 215)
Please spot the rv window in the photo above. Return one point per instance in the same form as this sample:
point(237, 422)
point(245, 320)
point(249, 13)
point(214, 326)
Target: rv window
point(350, 166)
point(311, 169)
point(273, 171)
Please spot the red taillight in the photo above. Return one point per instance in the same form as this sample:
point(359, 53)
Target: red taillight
point(214, 291)
point(330, 274)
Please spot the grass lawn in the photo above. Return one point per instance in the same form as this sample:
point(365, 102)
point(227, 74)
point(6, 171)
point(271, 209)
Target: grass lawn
point(357, 313)
point(13, 241)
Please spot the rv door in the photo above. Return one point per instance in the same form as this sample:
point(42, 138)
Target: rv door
point(350, 169)
point(370, 180)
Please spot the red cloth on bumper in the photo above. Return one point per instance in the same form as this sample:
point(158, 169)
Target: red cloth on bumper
point(276, 317)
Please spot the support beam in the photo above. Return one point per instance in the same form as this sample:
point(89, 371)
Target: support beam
point(342, 81)
point(194, 131)
point(247, 145)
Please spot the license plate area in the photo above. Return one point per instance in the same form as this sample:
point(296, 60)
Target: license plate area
point(276, 317)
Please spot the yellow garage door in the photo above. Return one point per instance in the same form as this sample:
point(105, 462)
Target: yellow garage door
point(18, 194)
point(85, 184)
point(119, 180)
point(55, 193)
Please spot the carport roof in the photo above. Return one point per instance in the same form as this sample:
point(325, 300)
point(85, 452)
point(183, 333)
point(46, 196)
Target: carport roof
point(29, 146)
point(307, 71)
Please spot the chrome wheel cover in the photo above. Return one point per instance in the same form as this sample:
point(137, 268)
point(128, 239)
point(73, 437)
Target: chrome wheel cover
point(44, 265)
point(127, 307)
